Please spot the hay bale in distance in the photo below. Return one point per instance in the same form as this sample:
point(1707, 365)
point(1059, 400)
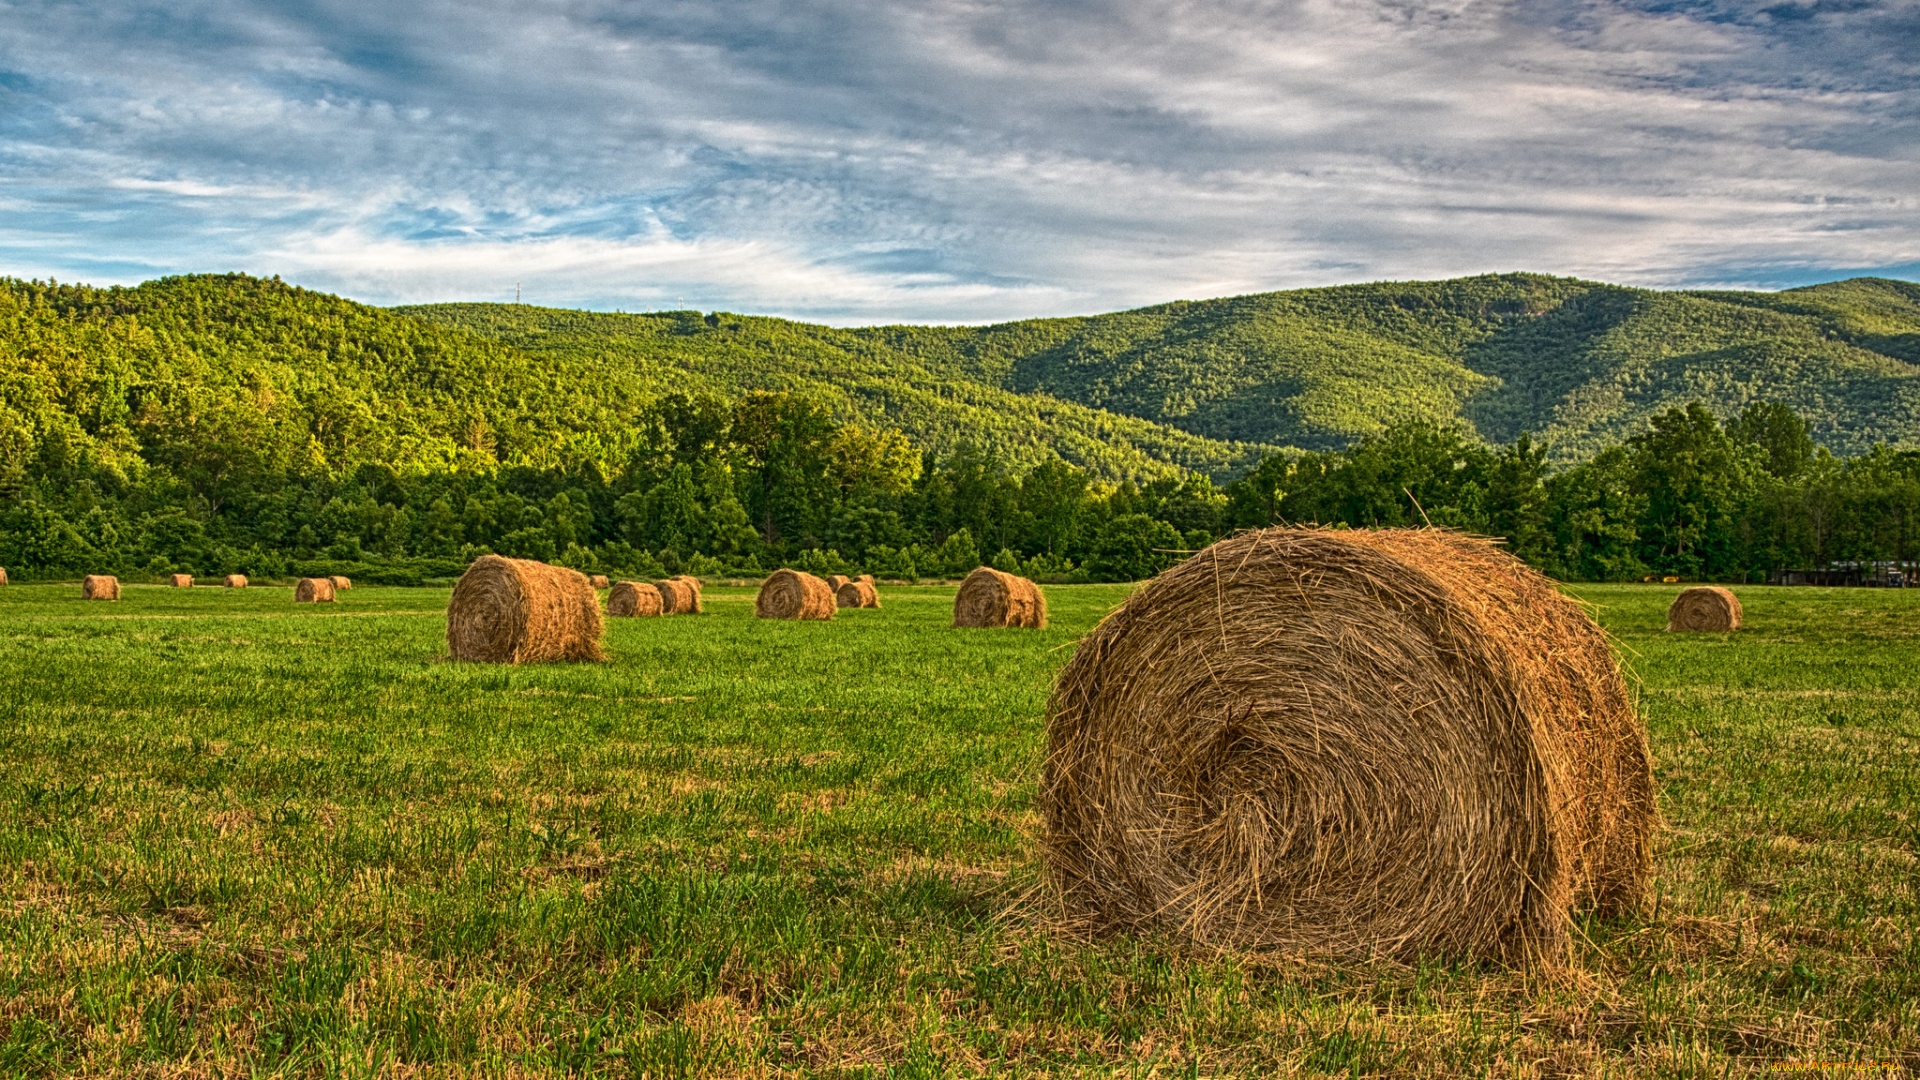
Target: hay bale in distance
point(633, 599)
point(793, 594)
point(236, 581)
point(834, 581)
point(857, 594)
point(3, 575)
point(697, 586)
point(100, 587)
point(677, 597)
point(181, 581)
point(1704, 608)
point(598, 581)
point(992, 597)
point(341, 583)
point(1349, 743)
point(313, 590)
point(518, 611)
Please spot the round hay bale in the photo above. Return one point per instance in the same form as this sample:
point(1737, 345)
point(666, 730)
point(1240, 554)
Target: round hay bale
point(313, 590)
point(834, 581)
point(868, 578)
point(518, 611)
point(598, 581)
point(633, 599)
point(3, 575)
point(792, 594)
point(1348, 742)
point(100, 587)
point(677, 597)
point(236, 581)
point(857, 594)
point(696, 585)
point(182, 581)
point(340, 583)
point(1704, 608)
point(992, 597)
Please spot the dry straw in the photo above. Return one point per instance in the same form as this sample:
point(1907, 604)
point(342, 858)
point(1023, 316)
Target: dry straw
point(3, 575)
point(834, 581)
point(313, 590)
point(341, 584)
point(517, 611)
point(1704, 608)
point(677, 597)
point(100, 587)
point(857, 594)
point(792, 594)
point(631, 599)
point(1348, 743)
point(236, 581)
point(182, 581)
point(599, 581)
point(695, 584)
point(992, 597)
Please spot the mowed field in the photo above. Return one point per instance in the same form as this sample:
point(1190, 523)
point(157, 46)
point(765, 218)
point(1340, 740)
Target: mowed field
point(240, 836)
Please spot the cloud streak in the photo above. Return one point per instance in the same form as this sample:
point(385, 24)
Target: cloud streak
point(854, 160)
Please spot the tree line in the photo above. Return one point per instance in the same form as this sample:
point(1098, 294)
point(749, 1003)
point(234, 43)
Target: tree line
point(738, 487)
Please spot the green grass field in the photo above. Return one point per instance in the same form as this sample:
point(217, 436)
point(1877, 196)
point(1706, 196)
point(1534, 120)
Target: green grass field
point(238, 836)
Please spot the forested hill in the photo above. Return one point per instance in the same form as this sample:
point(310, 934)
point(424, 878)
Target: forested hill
point(1581, 365)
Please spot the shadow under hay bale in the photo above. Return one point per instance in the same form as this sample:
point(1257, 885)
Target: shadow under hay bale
point(100, 587)
point(677, 597)
point(1705, 609)
point(236, 581)
point(181, 581)
point(633, 599)
point(313, 590)
point(340, 583)
point(857, 594)
point(792, 594)
point(518, 611)
point(1348, 743)
point(995, 598)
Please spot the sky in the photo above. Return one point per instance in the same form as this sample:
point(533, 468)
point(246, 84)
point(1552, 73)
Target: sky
point(861, 161)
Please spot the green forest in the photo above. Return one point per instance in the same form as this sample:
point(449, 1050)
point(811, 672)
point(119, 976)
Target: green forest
point(215, 424)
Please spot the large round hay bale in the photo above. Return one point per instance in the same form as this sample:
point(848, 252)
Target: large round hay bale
point(100, 587)
point(181, 581)
point(677, 597)
point(792, 594)
point(598, 581)
point(834, 581)
point(236, 581)
point(3, 575)
point(341, 583)
point(857, 594)
point(313, 590)
point(633, 599)
point(1348, 743)
point(697, 586)
point(1704, 608)
point(518, 611)
point(992, 597)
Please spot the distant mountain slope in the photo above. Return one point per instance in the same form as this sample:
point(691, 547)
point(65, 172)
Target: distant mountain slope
point(856, 377)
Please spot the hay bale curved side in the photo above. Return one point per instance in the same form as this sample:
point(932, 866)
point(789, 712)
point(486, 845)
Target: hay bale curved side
point(1705, 609)
point(633, 599)
point(696, 585)
point(518, 611)
point(1348, 743)
point(793, 594)
point(677, 597)
point(990, 597)
point(856, 594)
point(598, 581)
point(236, 581)
point(181, 581)
point(313, 590)
point(834, 581)
point(100, 587)
point(3, 575)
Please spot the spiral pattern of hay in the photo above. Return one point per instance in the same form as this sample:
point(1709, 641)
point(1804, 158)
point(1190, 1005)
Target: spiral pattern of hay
point(313, 590)
point(100, 587)
point(677, 597)
point(236, 581)
point(1704, 608)
point(518, 611)
point(633, 599)
point(341, 584)
point(793, 594)
point(857, 594)
point(598, 581)
point(181, 581)
point(1348, 743)
point(992, 597)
